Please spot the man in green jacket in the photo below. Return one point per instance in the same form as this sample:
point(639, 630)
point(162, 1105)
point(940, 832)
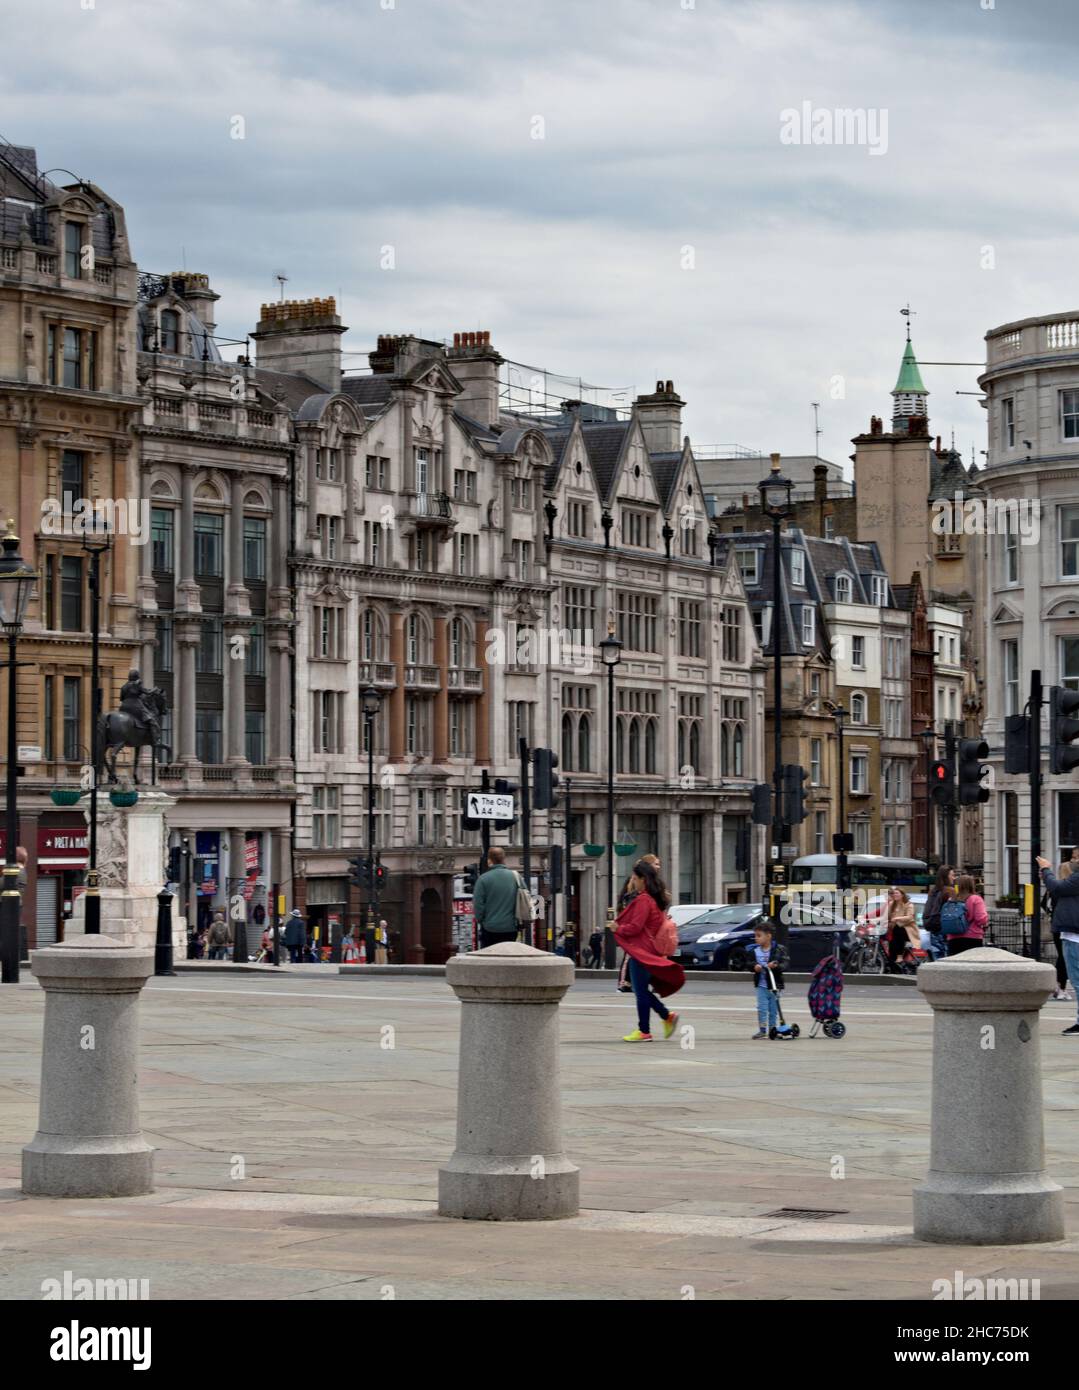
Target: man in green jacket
point(495, 903)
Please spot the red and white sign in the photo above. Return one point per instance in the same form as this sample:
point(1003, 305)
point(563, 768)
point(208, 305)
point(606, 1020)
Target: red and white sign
point(251, 854)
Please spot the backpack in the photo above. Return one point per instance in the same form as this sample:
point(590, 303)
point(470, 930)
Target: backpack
point(825, 987)
point(667, 937)
point(219, 934)
point(953, 918)
point(523, 909)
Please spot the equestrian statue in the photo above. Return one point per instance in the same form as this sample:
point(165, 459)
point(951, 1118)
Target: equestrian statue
point(136, 724)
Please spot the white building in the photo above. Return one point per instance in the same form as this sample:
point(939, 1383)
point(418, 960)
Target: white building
point(1031, 595)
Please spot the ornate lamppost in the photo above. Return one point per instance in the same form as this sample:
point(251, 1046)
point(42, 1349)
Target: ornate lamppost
point(610, 649)
point(96, 540)
point(17, 579)
point(371, 701)
point(775, 491)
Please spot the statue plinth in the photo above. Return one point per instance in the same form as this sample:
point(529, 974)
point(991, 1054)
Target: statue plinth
point(131, 863)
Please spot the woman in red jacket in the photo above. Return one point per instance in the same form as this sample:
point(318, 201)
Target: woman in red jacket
point(635, 932)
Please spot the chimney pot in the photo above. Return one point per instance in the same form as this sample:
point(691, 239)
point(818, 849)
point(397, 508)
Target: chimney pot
point(659, 388)
point(670, 388)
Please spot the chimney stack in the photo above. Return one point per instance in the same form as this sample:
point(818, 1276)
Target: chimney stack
point(660, 414)
point(820, 482)
point(302, 336)
point(475, 363)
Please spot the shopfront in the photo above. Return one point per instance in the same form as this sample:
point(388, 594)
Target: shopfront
point(55, 875)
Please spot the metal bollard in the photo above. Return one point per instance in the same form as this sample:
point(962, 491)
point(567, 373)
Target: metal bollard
point(508, 1164)
point(163, 944)
point(987, 1183)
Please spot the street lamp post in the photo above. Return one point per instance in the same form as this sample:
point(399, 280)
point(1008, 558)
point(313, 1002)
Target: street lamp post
point(929, 734)
point(610, 649)
point(841, 870)
point(372, 700)
point(96, 539)
point(775, 491)
point(17, 579)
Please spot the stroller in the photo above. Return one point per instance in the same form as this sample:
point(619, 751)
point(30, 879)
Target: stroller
point(824, 990)
point(783, 1029)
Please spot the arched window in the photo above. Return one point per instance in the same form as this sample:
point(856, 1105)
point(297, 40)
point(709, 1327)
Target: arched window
point(584, 744)
point(619, 762)
point(567, 743)
point(634, 745)
point(372, 636)
point(725, 751)
point(695, 746)
point(650, 745)
point(857, 709)
point(842, 588)
point(417, 640)
point(170, 330)
point(681, 744)
point(739, 750)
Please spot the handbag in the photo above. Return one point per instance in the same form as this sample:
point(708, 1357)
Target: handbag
point(523, 907)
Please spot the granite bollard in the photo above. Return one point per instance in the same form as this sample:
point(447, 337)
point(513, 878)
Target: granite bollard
point(88, 1142)
point(987, 1183)
point(508, 1164)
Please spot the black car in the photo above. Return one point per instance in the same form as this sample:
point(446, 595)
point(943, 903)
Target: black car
point(722, 939)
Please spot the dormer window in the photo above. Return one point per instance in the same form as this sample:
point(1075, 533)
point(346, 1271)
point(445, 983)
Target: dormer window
point(843, 588)
point(73, 241)
point(880, 590)
point(637, 528)
point(170, 331)
point(798, 567)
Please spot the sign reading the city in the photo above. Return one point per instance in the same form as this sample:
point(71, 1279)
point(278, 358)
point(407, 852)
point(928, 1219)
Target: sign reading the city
point(488, 806)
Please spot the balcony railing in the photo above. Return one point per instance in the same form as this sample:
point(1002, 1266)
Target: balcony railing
point(464, 678)
point(431, 507)
point(950, 545)
point(422, 677)
point(46, 265)
point(378, 672)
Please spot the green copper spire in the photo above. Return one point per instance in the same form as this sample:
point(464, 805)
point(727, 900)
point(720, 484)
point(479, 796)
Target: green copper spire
point(910, 378)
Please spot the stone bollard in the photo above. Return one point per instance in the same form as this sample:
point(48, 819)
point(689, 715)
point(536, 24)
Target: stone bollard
point(89, 1143)
point(987, 1183)
point(508, 1164)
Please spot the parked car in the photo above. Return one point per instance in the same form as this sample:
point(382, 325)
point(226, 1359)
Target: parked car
point(722, 938)
point(681, 913)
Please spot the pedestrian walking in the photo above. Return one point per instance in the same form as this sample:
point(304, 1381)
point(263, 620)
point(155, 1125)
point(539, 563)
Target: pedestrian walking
point(942, 890)
point(964, 918)
point(595, 948)
point(294, 936)
point(495, 904)
point(382, 941)
point(647, 935)
point(1063, 890)
point(219, 937)
point(768, 956)
point(1060, 964)
point(902, 929)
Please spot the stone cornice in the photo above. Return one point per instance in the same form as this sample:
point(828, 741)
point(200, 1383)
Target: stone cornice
point(220, 441)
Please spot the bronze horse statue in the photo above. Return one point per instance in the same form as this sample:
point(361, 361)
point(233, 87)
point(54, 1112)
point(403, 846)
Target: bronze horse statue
point(124, 729)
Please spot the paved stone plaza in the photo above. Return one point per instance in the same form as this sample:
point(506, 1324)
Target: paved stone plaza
point(297, 1152)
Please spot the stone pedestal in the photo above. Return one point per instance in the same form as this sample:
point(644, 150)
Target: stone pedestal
point(987, 1183)
point(508, 1164)
point(88, 1142)
point(132, 857)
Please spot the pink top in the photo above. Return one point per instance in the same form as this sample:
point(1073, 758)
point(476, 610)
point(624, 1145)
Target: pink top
point(978, 917)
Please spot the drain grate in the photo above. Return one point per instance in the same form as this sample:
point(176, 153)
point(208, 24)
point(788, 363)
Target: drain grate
point(805, 1213)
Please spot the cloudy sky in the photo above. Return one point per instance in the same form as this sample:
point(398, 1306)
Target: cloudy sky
point(604, 185)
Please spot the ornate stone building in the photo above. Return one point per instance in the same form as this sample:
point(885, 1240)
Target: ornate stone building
point(215, 604)
point(67, 396)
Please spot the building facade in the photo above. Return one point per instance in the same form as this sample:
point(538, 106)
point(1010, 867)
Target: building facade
point(214, 600)
point(68, 289)
point(1031, 589)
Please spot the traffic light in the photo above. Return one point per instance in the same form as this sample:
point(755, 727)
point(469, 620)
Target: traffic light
point(504, 787)
point(1063, 729)
point(176, 864)
point(942, 782)
point(381, 875)
point(762, 804)
point(1016, 743)
point(794, 806)
point(971, 772)
point(359, 872)
point(545, 780)
point(471, 875)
